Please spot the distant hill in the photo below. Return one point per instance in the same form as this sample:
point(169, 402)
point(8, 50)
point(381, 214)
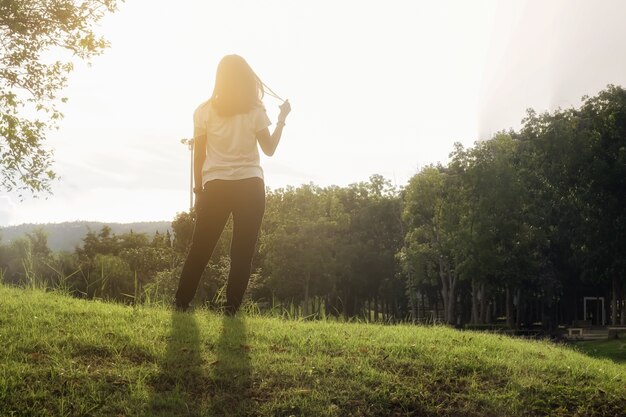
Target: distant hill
point(65, 236)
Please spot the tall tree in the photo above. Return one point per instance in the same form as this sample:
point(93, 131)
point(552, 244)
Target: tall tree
point(603, 120)
point(432, 220)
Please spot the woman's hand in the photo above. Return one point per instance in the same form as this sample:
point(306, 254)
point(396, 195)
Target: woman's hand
point(285, 108)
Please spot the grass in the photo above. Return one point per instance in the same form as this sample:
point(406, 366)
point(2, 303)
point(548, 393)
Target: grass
point(614, 349)
point(62, 356)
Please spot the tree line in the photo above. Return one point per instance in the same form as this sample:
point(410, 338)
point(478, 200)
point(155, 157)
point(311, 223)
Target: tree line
point(516, 230)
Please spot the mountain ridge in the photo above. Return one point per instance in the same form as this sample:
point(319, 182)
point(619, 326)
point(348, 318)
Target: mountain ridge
point(65, 236)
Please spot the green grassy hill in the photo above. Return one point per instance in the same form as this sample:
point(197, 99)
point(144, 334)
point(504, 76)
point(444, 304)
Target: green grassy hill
point(62, 356)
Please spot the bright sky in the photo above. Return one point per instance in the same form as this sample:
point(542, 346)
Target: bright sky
point(375, 87)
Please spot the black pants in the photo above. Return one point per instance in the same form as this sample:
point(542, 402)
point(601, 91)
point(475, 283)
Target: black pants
point(245, 199)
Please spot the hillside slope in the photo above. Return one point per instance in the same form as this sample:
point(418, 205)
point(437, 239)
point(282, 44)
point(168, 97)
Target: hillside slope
point(67, 235)
point(62, 356)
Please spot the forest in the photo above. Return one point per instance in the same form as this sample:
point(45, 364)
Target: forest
point(515, 230)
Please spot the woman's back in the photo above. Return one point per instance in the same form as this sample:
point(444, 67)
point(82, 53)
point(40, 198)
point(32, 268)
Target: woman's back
point(231, 142)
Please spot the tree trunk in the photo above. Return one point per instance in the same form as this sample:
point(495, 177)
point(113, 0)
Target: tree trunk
point(483, 304)
point(444, 289)
point(614, 300)
point(326, 305)
point(376, 308)
point(509, 307)
point(474, 318)
point(305, 306)
point(518, 319)
point(452, 299)
point(489, 313)
point(623, 315)
point(385, 307)
point(413, 299)
point(396, 309)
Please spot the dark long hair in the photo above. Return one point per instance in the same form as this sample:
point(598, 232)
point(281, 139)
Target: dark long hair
point(237, 88)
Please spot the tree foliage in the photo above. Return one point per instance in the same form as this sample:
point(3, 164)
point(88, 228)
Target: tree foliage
point(32, 33)
point(514, 230)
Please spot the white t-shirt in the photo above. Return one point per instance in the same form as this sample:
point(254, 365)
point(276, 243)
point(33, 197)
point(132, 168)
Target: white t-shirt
point(231, 144)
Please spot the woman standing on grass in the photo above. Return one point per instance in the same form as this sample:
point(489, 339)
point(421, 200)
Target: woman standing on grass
point(228, 177)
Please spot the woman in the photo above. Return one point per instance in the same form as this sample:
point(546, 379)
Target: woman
point(228, 177)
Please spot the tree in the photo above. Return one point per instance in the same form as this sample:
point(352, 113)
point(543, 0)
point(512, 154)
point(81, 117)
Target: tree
point(294, 244)
point(30, 84)
point(374, 236)
point(603, 118)
point(182, 227)
point(432, 219)
point(489, 235)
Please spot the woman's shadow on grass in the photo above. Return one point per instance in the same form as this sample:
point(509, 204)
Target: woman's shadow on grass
point(231, 371)
point(175, 389)
point(188, 385)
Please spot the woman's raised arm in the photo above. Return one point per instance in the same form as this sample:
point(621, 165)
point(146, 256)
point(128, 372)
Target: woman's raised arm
point(268, 142)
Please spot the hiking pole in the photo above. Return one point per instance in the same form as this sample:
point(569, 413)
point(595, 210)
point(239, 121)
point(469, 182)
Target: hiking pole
point(189, 143)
